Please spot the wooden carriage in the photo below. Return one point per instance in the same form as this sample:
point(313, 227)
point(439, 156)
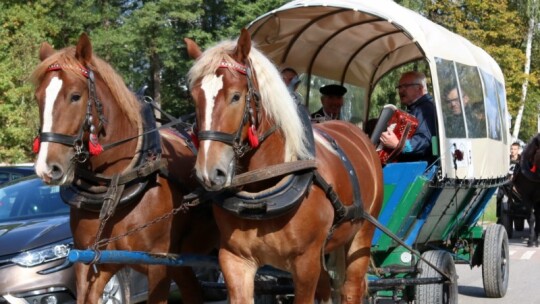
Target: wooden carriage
point(433, 207)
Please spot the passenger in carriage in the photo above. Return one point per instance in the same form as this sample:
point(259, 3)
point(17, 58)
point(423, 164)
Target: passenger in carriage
point(292, 80)
point(453, 121)
point(332, 102)
point(413, 93)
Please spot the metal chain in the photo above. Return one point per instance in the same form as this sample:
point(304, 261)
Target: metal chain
point(183, 207)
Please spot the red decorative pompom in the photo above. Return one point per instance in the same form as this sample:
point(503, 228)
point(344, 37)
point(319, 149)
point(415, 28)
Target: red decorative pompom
point(195, 140)
point(36, 144)
point(458, 155)
point(533, 168)
point(94, 146)
point(252, 137)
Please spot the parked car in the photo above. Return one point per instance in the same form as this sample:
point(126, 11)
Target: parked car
point(35, 240)
point(8, 173)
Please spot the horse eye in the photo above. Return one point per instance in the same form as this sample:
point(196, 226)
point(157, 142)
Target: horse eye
point(75, 97)
point(236, 97)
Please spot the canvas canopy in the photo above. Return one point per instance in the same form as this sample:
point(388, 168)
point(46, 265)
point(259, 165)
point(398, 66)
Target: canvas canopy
point(358, 42)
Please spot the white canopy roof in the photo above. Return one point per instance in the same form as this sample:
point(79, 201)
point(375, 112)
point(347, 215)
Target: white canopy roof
point(359, 41)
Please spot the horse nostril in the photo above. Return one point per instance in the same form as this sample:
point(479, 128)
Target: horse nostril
point(220, 177)
point(56, 172)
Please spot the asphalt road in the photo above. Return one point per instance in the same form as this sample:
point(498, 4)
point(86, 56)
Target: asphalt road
point(524, 281)
point(523, 287)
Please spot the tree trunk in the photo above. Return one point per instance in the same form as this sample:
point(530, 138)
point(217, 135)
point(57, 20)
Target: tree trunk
point(155, 64)
point(530, 34)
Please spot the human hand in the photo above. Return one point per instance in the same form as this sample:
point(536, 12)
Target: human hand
point(389, 139)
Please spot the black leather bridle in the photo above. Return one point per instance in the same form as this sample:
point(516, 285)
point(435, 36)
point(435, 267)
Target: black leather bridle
point(234, 139)
point(81, 152)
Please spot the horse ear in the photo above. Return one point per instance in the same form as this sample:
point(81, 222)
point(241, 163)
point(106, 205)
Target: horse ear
point(45, 51)
point(194, 51)
point(243, 46)
point(83, 51)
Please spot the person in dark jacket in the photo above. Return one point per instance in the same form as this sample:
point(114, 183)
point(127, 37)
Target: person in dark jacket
point(332, 101)
point(413, 95)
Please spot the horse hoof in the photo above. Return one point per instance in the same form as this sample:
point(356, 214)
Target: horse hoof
point(529, 244)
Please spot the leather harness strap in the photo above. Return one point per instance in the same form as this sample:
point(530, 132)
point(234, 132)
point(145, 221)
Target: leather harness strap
point(343, 212)
point(272, 171)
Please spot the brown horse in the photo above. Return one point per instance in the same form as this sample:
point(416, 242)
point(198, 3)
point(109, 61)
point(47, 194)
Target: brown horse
point(100, 143)
point(526, 181)
point(248, 123)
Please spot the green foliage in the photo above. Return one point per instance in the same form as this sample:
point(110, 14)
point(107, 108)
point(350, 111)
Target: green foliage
point(143, 40)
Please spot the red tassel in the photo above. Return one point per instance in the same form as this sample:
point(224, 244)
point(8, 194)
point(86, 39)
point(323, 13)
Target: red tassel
point(533, 169)
point(195, 140)
point(252, 137)
point(458, 155)
point(94, 146)
point(36, 144)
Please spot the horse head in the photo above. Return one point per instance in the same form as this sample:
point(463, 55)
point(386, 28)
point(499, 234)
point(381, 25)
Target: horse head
point(80, 104)
point(241, 102)
point(531, 155)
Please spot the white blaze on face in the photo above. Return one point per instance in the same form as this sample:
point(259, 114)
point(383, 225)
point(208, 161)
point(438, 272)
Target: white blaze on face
point(51, 93)
point(211, 84)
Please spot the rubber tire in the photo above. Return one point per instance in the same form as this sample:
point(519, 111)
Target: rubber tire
point(117, 289)
point(446, 293)
point(495, 262)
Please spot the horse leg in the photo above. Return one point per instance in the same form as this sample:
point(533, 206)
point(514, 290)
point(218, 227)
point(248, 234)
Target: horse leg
point(90, 285)
point(335, 263)
point(532, 224)
point(323, 293)
point(189, 285)
point(536, 226)
point(159, 283)
point(355, 287)
point(239, 275)
point(306, 270)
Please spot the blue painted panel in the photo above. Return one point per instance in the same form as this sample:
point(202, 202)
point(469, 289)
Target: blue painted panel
point(401, 176)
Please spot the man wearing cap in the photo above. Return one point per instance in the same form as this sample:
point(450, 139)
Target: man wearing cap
point(332, 101)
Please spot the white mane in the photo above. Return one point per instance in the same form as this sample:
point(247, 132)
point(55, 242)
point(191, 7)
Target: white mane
point(275, 98)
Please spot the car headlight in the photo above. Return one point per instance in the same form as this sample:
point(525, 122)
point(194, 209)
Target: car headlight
point(42, 255)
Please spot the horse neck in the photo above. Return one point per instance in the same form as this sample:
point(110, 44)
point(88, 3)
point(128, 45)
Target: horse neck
point(271, 151)
point(123, 156)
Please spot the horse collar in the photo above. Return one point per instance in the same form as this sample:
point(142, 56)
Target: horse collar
point(277, 200)
point(90, 190)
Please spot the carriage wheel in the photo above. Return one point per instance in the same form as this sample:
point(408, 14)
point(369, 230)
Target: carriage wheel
point(495, 263)
point(117, 289)
point(443, 293)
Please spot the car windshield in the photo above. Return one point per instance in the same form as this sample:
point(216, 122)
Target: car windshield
point(30, 198)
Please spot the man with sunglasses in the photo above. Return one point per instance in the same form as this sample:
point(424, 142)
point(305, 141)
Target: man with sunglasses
point(412, 89)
